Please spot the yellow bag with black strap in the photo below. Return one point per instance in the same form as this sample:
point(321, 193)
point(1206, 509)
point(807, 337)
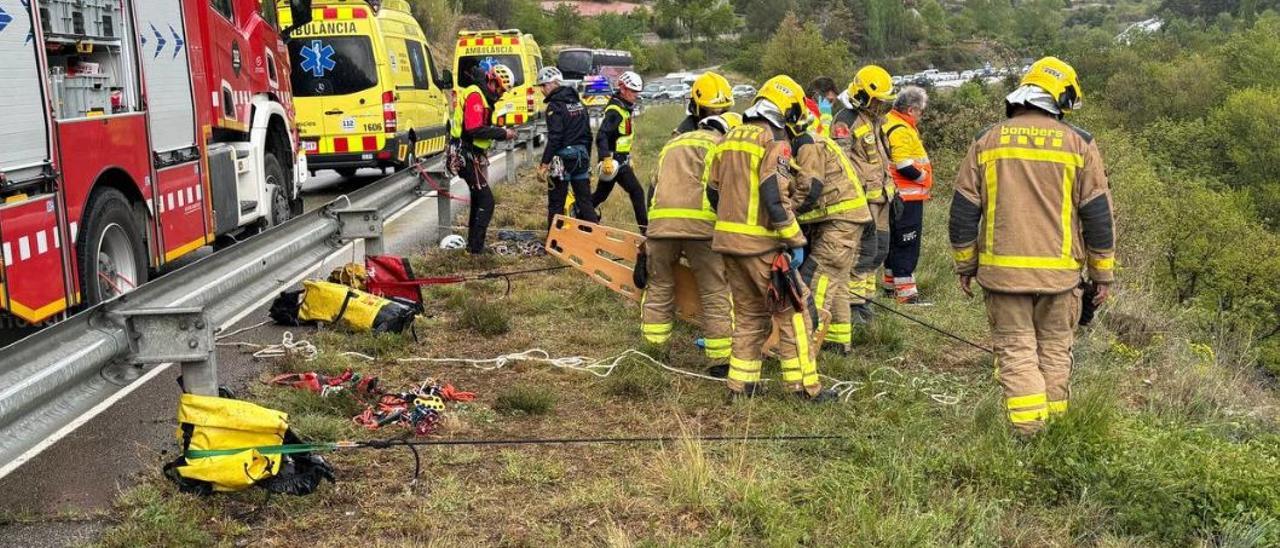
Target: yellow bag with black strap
point(333, 303)
point(231, 445)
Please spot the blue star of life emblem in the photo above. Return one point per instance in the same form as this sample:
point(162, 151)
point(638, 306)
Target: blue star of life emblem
point(317, 58)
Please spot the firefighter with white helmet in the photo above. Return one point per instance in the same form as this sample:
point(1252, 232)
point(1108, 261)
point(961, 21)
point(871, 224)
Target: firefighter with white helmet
point(473, 128)
point(1032, 209)
point(752, 188)
point(614, 142)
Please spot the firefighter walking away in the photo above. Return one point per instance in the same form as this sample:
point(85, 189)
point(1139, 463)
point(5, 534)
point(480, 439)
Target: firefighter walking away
point(1032, 207)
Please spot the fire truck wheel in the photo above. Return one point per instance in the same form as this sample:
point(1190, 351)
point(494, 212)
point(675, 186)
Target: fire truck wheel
point(280, 210)
point(112, 251)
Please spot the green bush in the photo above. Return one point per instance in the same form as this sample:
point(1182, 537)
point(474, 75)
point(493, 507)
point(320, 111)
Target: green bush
point(525, 399)
point(484, 318)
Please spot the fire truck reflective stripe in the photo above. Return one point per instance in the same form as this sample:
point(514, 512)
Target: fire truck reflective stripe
point(181, 199)
point(191, 195)
point(183, 249)
point(150, 209)
point(169, 197)
point(8, 255)
point(24, 248)
point(74, 233)
point(42, 243)
point(199, 193)
point(57, 238)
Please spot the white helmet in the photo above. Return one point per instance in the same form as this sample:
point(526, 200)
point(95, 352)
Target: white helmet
point(453, 241)
point(550, 74)
point(631, 81)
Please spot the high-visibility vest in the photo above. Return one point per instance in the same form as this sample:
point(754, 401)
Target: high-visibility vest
point(907, 149)
point(459, 115)
point(623, 145)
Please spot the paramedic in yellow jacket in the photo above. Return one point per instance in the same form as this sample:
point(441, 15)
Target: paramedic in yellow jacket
point(751, 187)
point(681, 224)
point(1031, 209)
point(856, 127)
point(833, 215)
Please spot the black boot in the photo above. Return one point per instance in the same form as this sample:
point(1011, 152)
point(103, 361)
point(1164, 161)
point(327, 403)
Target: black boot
point(826, 395)
point(749, 390)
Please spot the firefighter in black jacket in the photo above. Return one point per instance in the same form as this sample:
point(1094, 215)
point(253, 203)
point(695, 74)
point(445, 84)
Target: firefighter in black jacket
point(614, 145)
point(566, 160)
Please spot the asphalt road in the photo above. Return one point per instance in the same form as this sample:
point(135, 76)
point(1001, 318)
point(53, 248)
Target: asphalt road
point(85, 471)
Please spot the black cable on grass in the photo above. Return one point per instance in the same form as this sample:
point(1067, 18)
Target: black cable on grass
point(931, 326)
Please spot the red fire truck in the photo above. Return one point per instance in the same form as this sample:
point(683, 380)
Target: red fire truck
point(133, 132)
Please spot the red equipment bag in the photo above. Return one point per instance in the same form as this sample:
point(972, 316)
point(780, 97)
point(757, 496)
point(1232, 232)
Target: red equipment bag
point(388, 275)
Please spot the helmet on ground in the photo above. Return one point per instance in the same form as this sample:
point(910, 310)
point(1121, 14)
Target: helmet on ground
point(502, 74)
point(1057, 78)
point(631, 81)
point(786, 96)
point(870, 82)
point(550, 74)
point(732, 118)
point(452, 241)
point(712, 91)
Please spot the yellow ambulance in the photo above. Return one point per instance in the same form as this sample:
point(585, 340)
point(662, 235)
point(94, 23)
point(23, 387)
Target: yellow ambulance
point(478, 50)
point(365, 87)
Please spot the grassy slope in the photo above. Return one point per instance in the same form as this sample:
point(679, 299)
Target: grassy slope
point(1161, 446)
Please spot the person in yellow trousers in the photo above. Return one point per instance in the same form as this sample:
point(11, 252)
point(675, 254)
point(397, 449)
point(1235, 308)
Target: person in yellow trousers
point(857, 128)
point(681, 224)
point(752, 190)
point(833, 214)
point(1031, 209)
point(913, 177)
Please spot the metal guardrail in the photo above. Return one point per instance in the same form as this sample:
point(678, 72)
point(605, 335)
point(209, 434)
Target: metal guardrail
point(51, 379)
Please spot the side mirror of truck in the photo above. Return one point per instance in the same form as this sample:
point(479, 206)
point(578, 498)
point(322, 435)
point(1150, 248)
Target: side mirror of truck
point(446, 79)
point(300, 13)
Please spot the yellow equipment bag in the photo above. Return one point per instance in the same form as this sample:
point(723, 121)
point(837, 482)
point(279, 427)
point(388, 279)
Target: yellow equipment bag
point(230, 445)
point(332, 303)
point(351, 275)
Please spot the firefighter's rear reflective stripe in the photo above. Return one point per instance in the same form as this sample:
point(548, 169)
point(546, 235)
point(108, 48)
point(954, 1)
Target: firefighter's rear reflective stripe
point(786, 232)
point(840, 207)
point(1069, 163)
point(679, 213)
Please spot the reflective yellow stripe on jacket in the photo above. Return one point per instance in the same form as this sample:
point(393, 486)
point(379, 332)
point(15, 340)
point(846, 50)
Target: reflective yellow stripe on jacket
point(1070, 162)
point(847, 205)
point(708, 145)
point(752, 226)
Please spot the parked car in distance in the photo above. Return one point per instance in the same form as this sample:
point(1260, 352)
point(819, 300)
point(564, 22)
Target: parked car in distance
point(744, 90)
point(652, 91)
point(675, 92)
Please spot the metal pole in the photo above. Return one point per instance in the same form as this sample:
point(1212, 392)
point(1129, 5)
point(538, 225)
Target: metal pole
point(444, 213)
point(511, 163)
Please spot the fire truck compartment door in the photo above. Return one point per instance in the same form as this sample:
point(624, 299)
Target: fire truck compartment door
point(24, 137)
point(167, 74)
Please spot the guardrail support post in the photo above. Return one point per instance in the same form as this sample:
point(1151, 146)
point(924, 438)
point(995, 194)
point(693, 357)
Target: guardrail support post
point(360, 223)
point(175, 335)
point(510, 175)
point(528, 144)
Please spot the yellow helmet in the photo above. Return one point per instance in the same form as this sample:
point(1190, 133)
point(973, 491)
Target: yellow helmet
point(712, 91)
point(1059, 79)
point(871, 82)
point(788, 96)
point(733, 119)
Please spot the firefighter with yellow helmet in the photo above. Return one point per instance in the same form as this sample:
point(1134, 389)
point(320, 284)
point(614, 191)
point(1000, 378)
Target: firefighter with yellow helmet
point(1032, 208)
point(681, 225)
point(833, 214)
point(710, 95)
point(752, 189)
point(857, 127)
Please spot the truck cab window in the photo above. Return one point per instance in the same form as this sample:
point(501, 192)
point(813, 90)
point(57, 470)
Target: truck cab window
point(224, 7)
point(267, 8)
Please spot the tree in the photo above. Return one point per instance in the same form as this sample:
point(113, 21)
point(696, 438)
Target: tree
point(800, 52)
point(707, 19)
point(761, 16)
point(615, 29)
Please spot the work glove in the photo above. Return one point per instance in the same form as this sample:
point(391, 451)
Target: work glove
point(608, 167)
point(897, 206)
point(797, 257)
point(640, 274)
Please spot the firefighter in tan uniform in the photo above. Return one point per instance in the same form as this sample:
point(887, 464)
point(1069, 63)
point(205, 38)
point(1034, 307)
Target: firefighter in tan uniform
point(833, 214)
point(681, 224)
point(1031, 209)
point(857, 127)
point(752, 191)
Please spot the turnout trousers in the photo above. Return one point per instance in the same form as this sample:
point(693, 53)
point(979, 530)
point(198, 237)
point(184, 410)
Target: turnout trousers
point(660, 295)
point(873, 250)
point(753, 320)
point(1032, 335)
point(833, 247)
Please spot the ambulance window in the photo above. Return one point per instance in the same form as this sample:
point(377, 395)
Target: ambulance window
point(418, 62)
point(471, 68)
point(332, 65)
point(224, 7)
